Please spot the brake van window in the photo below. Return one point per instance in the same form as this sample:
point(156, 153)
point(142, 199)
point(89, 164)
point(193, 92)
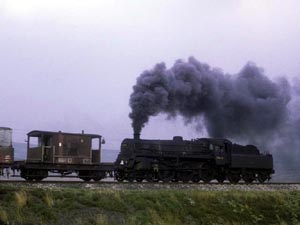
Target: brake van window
point(95, 143)
point(34, 142)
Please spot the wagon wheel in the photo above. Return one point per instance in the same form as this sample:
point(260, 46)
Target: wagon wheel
point(234, 178)
point(248, 180)
point(185, 176)
point(86, 179)
point(196, 178)
point(120, 179)
point(98, 175)
point(220, 176)
point(166, 176)
point(248, 177)
point(220, 179)
point(149, 177)
point(97, 179)
point(262, 177)
point(85, 175)
point(130, 179)
point(206, 179)
point(38, 178)
point(174, 180)
point(207, 173)
point(140, 175)
point(119, 176)
point(29, 178)
point(155, 180)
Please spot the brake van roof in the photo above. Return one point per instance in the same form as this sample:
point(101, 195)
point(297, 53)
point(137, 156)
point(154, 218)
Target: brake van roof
point(39, 133)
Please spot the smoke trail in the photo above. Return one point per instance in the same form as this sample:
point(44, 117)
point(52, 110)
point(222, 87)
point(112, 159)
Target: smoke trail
point(247, 104)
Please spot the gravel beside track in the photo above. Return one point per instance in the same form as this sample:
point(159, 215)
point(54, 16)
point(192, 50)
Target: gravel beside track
point(156, 186)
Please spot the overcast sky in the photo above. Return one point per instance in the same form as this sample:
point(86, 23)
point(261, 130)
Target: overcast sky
point(70, 65)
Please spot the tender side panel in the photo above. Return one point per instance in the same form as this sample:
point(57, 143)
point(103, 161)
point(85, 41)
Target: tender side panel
point(252, 161)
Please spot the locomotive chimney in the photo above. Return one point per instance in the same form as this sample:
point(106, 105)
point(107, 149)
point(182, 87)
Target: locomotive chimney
point(136, 136)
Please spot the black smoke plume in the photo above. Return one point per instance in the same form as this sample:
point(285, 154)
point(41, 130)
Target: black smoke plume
point(243, 105)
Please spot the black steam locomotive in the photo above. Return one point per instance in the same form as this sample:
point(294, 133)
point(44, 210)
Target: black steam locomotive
point(203, 159)
point(174, 160)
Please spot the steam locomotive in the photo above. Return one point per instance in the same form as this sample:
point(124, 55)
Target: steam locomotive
point(203, 159)
point(174, 160)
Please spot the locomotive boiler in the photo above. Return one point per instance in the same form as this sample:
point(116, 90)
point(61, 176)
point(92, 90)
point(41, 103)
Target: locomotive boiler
point(203, 159)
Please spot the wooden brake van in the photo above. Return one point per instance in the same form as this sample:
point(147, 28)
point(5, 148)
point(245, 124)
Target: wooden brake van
point(64, 153)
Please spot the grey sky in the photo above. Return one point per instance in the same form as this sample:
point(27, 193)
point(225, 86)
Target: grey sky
point(70, 65)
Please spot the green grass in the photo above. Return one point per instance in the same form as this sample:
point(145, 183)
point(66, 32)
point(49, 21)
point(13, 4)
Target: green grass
point(81, 206)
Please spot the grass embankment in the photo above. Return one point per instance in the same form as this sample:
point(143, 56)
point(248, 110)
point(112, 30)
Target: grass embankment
point(78, 206)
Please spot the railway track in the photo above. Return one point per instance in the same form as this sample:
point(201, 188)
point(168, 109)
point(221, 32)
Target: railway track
point(135, 186)
point(142, 183)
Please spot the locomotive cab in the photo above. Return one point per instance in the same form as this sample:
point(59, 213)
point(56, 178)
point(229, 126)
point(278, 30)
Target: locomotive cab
point(219, 148)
